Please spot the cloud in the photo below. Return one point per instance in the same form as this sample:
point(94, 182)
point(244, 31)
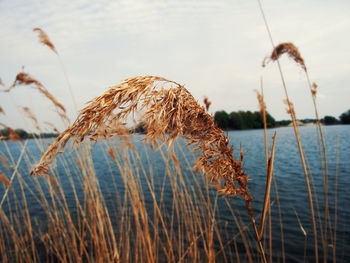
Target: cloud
point(214, 47)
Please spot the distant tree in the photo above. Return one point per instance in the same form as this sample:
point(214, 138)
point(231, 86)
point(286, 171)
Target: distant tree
point(240, 120)
point(345, 117)
point(222, 119)
point(4, 132)
point(283, 122)
point(308, 120)
point(249, 119)
point(236, 121)
point(140, 128)
point(22, 133)
point(329, 120)
point(271, 122)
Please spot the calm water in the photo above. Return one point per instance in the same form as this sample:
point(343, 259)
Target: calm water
point(287, 167)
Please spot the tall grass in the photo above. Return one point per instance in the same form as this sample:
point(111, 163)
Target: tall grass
point(141, 220)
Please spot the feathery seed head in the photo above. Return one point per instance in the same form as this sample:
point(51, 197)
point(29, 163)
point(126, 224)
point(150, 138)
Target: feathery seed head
point(44, 39)
point(291, 50)
point(169, 111)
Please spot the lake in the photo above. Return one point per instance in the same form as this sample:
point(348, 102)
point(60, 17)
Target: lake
point(288, 171)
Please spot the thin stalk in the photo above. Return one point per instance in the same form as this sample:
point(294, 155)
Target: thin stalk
point(336, 203)
point(296, 131)
point(326, 212)
point(267, 189)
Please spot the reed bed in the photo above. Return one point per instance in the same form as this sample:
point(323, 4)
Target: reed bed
point(139, 219)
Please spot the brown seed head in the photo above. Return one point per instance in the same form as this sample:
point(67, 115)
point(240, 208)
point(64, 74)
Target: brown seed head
point(44, 38)
point(13, 136)
point(291, 50)
point(4, 179)
point(169, 111)
point(23, 78)
point(207, 103)
point(31, 116)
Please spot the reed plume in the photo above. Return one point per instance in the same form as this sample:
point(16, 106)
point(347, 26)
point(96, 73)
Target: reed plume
point(31, 116)
point(168, 111)
point(4, 179)
point(23, 78)
point(1, 83)
point(44, 39)
point(4, 163)
point(2, 110)
point(52, 126)
point(13, 136)
point(290, 49)
point(207, 103)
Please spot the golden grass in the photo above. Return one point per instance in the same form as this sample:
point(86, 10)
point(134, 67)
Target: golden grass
point(168, 112)
point(44, 39)
point(147, 228)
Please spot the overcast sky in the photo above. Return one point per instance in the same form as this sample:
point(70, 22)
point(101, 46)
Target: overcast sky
point(214, 48)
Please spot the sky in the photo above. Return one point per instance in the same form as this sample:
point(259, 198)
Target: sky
point(214, 48)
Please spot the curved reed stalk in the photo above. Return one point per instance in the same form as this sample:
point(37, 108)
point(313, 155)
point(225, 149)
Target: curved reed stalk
point(23, 78)
point(31, 116)
point(294, 53)
point(44, 39)
point(168, 110)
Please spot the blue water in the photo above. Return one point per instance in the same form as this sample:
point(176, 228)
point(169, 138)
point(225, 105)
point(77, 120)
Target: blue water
point(287, 167)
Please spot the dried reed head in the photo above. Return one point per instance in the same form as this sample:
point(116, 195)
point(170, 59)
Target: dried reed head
point(261, 102)
point(44, 39)
point(4, 163)
point(31, 116)
point(23, 78)
point(52, 126)
point(2, 83)
point(207, 103)
point(2, 110)
point(290, 109)
point(291, 50)
point(4, 179)
point(169, 110)
point(13, 136)
point(314, 89)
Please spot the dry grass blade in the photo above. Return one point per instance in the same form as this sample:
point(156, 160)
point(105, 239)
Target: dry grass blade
point(268, 188)
point(44, 38)
point(13, 136)
point(290, 49)
point(31, 116)
point(299, 222)
point(52, 126)
point(4, 179)
point(23, 78)
point(169, 110)
point(207, 103)
point(4, 163)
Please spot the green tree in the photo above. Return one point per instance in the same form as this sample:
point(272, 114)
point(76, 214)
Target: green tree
point(271, 122)
point(249, 119)
point(345, 117)
point(236, 121)
point(329, 120)
point(222, 119)
point(22, 133)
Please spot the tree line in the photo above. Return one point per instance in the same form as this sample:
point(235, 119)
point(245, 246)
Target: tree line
point(236, 120)
point(241, 120)
point(5, 133)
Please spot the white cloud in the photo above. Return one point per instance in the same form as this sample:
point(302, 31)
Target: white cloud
point(214, 47)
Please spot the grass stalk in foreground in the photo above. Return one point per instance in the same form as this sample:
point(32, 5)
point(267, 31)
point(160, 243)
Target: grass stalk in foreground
point(297, 57)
